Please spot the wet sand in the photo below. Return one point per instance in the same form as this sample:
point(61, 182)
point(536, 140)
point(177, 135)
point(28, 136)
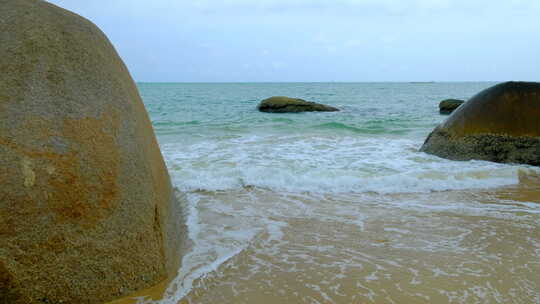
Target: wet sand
point(442, 247)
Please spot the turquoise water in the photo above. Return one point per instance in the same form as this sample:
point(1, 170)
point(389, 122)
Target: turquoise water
point(199, 111)
point(213, 138)
point(340, 207)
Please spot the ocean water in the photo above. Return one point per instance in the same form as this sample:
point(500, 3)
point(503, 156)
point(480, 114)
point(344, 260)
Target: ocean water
point(340, 207)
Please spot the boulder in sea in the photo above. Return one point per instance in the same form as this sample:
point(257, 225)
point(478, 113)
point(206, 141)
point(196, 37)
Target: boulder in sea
point(87, 210)
point(447, 106)
point(282, 104)
point(499, 124)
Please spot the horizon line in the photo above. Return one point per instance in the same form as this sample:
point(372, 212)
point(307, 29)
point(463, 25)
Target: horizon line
point(390, 81)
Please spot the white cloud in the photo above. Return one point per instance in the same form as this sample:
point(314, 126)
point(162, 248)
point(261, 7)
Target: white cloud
point(319, 37)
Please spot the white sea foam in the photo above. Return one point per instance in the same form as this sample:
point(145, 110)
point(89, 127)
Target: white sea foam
point(327, 165)
point(257, 224)
point(297, 171)
point(208, 252)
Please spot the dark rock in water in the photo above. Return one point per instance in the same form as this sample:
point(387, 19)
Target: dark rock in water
point(281, 104)
point(500, 124)
point(448, 106)
point(87, 210)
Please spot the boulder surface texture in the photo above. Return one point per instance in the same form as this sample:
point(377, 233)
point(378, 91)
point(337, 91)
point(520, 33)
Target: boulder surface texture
point(500, 124)
point(448, 106)
point(87, 211)
point(282, 104)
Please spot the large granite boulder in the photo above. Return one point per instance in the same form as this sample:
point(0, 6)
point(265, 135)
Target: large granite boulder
point(500, 124)
point(282, 104)
point(87, 211)
point(448, 106)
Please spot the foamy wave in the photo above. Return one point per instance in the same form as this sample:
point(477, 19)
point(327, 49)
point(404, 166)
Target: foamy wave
point(327, 164)
point(212, 246)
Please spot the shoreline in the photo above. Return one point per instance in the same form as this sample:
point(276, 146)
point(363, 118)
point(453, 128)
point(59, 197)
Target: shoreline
point(527, 191)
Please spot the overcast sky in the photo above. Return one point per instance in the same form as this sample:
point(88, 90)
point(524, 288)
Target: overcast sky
point(321, 40)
